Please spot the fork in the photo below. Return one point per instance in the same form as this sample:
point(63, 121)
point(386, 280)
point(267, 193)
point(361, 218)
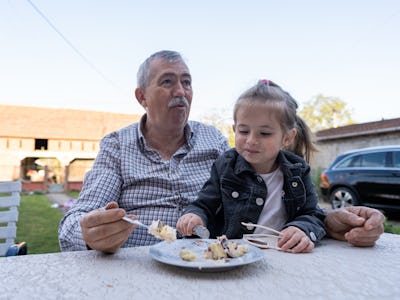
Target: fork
point(199, 230)
point(262, 227)
point(136, 222)
point(264, 241)
point(261, 240)
point(129, 220)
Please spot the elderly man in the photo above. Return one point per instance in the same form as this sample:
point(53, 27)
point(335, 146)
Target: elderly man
point(153, 169)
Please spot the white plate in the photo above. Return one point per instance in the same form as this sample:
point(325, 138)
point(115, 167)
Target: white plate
point(169, 254)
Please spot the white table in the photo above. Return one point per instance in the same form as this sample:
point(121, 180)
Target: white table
point(334, 270)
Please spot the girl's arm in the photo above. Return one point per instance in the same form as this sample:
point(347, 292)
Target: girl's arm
point(209, 199)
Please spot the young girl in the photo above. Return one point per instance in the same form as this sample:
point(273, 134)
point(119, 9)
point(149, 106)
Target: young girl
point(263, 180)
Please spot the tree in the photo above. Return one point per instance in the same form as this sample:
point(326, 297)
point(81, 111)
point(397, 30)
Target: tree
point(326, 112)
point(217, 119)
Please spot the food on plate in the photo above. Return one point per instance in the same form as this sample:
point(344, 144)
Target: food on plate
point(223, 248)
point(163, 232)
point(187, 255)
point(215, 251)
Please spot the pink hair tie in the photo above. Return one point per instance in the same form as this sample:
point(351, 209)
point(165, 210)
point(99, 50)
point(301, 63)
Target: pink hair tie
point(265, 81)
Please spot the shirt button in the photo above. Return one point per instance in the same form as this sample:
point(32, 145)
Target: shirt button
point(294, 184)
point(250, 228)
point(235, 194)
point(312, 236)
point(259, 179)
point(259, 201)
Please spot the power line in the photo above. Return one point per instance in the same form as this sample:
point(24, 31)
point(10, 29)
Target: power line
point(75, 49)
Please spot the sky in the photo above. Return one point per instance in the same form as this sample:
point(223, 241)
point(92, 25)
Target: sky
point(84, 54)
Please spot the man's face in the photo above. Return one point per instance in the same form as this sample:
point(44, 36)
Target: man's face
point(163, 97)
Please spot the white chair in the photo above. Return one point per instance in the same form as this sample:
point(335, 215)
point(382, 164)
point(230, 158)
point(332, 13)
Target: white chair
point(9, 203)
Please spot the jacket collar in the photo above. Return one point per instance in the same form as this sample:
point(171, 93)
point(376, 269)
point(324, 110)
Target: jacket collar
point(241, 164)
point(287, 162)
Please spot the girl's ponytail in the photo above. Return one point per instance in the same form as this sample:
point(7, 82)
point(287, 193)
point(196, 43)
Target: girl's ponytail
point(303, 144)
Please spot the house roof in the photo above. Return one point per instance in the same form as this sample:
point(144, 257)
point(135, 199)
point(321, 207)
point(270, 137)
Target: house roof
point(52, 123)
point(383, 126)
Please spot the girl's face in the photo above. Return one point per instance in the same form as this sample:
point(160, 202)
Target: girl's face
point(259, 136)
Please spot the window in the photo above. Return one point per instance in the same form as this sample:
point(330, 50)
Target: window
point(373, 160)
point(396, 159)
point(40, 144)
point(367, 160)
point(350, 162)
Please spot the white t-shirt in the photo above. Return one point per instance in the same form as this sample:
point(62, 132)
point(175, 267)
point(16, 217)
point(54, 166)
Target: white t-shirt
point(274, 212)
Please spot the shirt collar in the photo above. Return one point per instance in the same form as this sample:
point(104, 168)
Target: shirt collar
point(187, 131)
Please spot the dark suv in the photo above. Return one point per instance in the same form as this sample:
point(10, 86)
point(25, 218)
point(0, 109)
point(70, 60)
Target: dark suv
point(369, 176)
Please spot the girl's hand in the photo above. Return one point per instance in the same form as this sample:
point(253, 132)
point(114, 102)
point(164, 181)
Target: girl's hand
point(295, 240)
point(187, 222)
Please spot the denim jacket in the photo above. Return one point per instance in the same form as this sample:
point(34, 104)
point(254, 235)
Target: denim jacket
point(231, 196)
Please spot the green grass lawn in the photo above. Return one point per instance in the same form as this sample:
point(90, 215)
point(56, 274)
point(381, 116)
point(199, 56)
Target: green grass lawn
point(38, 224)
point(73, 194)
point(391, 228)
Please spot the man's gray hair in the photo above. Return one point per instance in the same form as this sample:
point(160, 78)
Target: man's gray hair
point(143, 75)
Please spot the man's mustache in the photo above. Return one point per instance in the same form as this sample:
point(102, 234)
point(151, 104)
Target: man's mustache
point(178, 101)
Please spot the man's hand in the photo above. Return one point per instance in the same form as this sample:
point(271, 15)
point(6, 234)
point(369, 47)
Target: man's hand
point(104, 230)
point(359, 225)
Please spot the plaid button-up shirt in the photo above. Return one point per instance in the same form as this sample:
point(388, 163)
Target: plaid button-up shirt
point(129, 172)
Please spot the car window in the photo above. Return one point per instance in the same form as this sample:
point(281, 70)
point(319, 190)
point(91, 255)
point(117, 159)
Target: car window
point(350, 162)
point(367, 160)
point(373, 160)
point(396, 159)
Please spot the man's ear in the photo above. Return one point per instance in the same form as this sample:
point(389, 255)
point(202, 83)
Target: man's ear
point(233, 127)
point(139, 94)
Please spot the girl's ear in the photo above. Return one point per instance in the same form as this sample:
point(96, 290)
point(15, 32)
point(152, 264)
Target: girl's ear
point(289, 137)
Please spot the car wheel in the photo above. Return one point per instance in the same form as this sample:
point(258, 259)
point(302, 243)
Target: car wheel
point(342, 197)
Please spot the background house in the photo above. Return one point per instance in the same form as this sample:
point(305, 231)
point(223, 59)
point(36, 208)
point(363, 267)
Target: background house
point(334, 141)
point(47, 147)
